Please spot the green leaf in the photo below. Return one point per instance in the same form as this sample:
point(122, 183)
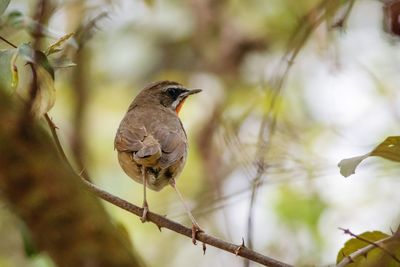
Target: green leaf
point(5, 71)
point(296, 209)
point(388, 149)
point(46, 94)
point(149, 2)
point(3, 5)
point(29, 247)
point(15, 19)
point(37, 57)
point(55, 47)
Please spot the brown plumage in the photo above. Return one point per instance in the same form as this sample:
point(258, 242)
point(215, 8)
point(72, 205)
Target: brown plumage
point(151, 141)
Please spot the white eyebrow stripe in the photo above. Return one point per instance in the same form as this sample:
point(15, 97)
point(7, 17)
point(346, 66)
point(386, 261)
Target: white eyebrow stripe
point(174, 86)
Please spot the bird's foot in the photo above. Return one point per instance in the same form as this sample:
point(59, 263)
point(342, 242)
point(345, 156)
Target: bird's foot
point(145, 210)
point(195, 229)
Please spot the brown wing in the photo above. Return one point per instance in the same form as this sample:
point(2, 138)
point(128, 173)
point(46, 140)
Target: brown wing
point(129, 139)
point(173, 147)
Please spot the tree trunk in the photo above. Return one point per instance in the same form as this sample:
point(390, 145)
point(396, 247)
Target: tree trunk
point(65, 220)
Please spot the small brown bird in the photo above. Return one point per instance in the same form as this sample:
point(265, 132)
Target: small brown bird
point(151, 141)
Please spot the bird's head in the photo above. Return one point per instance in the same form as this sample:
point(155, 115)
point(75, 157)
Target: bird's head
point(167, 93)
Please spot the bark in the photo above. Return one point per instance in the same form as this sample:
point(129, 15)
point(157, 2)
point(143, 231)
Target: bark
point(64, 219)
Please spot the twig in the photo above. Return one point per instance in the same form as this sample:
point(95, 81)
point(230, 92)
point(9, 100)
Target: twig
point(53, 129)
point(298, 40)
point(372, 245)
point(363, 251)
point(162, 222)
point(342, 21)
point(8, 42)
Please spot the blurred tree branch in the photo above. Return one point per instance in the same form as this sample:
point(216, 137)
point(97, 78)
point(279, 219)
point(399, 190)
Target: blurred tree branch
point(47, 195)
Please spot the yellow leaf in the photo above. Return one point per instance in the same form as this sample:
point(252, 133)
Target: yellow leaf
point(46, 94)
point(388, 149)
point(354, 244)
point(55, 47)
point(14, 70)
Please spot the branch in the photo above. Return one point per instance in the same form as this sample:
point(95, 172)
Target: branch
point(162, 222)
point(53, 129)
point(66, 222)
point(363, 251)
point(377, 244)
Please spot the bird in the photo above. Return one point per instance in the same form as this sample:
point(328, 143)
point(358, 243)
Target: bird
point(151, 142)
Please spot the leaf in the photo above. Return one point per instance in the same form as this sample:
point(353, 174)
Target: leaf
point(37, 57)
point(14, 70)
point(5, 71)
point(150, 3)
point(61, 62)
point(3, 5)
point(297, 210)
point(354, 244)
point(15, 19)
point(27, 241)
point(55, 47)
point(46, 94)
point(388, 149)
point(348, 166)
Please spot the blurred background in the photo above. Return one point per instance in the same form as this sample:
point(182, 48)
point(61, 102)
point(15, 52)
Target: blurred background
point(289, 89)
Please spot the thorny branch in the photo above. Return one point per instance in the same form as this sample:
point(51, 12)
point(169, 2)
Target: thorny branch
point(363, 251)
point(162, 222)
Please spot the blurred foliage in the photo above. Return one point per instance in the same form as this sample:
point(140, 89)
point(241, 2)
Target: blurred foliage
point(297, 210)
point(256, 60)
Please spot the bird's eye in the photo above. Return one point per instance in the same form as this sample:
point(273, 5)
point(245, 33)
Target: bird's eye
point(174, 92)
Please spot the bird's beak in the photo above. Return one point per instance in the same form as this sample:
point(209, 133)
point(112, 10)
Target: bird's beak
point(192, 92)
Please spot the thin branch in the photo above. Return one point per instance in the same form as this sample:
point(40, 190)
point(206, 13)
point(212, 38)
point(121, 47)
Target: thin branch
point(373, 244)
point(361, 252)
point(53, 129)
point(343, 20)
point(162, 222)
point(298, 41)
point(8, 42)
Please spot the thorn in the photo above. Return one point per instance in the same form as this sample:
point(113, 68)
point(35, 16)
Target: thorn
point(237, 251)
point(194, 232)
point(391, 230)
point(349, 257)
point(345, 231)
point(81, 172)
point(159, 227)
point(204, 248)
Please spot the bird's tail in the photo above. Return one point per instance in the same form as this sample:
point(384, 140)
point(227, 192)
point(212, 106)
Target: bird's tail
point(150, 153)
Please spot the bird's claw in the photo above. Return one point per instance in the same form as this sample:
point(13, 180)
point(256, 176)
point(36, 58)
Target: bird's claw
point(144, 215)
point(195, 229)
